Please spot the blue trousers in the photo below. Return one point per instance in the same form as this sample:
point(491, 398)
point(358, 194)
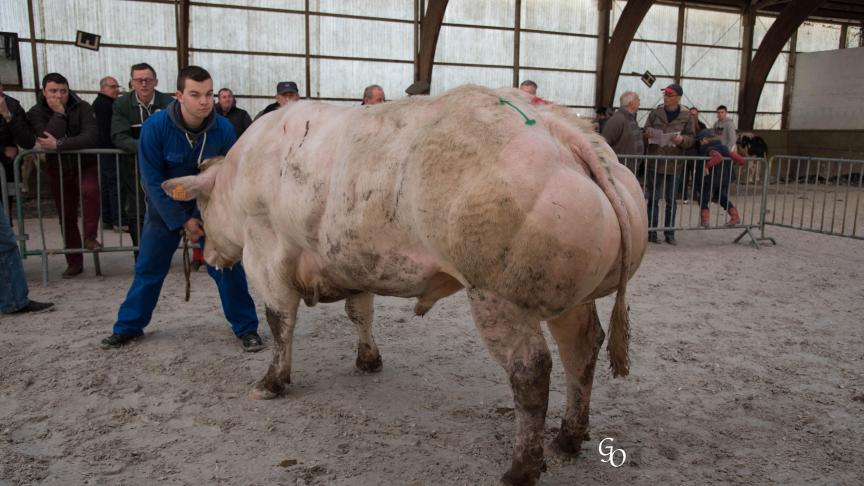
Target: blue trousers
point(158, 245)
point(13, 284)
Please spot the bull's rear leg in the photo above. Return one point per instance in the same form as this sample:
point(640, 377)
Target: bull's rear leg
point(360, 310)
point(516, 342)
point(579, 337)
point(281, 321)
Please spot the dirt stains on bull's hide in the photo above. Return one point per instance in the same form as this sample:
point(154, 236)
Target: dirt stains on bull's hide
point(304, 134)
point(298, 173)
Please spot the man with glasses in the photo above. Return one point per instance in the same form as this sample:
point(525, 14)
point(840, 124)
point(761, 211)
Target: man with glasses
point(670, 132)
point(129, 113)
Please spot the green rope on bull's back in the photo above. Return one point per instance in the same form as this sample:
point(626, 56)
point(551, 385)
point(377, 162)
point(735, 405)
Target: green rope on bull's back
point(528, 121)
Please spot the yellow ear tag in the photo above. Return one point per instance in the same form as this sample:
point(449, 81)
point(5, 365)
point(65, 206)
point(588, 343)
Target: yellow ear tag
point(179, 193)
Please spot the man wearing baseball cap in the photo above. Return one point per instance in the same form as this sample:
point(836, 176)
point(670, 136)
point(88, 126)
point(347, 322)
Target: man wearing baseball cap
point(669, 132)
point(286, 91)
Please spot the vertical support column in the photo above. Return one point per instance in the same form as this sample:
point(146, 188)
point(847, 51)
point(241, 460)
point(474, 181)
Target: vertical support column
point(182, 15)
point(604, 9)
point(517, 33)
point(36, 80)
point(679, 43)
point(844, 33)
point(417, 20)
point(790, 81)
point(619, 43)
point(308, 58)
point(748, 21)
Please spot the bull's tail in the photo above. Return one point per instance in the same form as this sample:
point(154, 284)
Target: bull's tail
point(619, 325)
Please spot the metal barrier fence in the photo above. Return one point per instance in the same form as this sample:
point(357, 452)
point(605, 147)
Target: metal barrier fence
point(816, 194)
point(4, 192)
point(806, 193)
point(682, 188)
point(77, 180)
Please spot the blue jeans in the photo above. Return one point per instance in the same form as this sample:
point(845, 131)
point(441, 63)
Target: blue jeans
point(158, 245)
point(13, 284)
point(654, 183)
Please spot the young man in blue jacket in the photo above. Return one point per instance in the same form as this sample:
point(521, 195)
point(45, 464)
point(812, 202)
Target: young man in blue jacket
point(173, 143)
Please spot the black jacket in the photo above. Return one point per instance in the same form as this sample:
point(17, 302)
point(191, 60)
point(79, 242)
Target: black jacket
point(104, 107)
point(239, 119)
point(76, 129)
point(267, 109)
point(17, 131)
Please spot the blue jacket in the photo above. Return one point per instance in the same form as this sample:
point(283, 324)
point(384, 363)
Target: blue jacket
point(167, 149)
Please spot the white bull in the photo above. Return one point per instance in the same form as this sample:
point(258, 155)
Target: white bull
point(520, 204)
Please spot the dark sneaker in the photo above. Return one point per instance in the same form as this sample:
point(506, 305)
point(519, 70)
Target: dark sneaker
point(652, 237)
point(34, 307)
point(116, 340)
point(196, 264)
point(252, 342)
point(671, 240)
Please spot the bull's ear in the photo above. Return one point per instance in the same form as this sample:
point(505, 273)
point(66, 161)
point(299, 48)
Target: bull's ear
point(189, 187)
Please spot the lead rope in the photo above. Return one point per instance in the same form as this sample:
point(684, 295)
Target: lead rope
point(187, 266)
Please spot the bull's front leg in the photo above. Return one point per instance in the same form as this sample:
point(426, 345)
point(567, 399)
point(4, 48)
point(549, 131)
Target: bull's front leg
point(579, 337)
point(281, 321)
point(515, 340)
point(360, 310)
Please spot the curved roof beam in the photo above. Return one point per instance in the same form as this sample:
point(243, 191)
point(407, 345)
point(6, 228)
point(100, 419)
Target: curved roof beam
point(430, 27)
point(789, 20)
point(631, 18)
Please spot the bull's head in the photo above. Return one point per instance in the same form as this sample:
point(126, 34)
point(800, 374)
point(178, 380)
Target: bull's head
point(222, 247)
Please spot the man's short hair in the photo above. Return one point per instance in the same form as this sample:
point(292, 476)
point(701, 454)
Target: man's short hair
point(528, 82)
point(195, 73)
point(370, 90)
point(224, 89)
point(627, 97)
point(54, 78)
point(722, 107)
point(141, 66)
point(104, 81)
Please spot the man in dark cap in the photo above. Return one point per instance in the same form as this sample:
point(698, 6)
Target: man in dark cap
point(670, 132)
point(286, 92)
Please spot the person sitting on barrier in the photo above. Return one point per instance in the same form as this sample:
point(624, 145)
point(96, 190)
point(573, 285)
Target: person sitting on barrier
point(61, 122)
point(13, 285)
point(15, 131)
point(174, 142)
point(717, 176)
point(128, 114)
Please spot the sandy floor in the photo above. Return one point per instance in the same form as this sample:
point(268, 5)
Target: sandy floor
point(748, 368)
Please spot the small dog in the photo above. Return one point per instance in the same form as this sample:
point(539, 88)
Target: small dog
point(751, 145)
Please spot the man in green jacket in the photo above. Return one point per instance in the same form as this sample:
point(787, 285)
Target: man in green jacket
point(130, 111)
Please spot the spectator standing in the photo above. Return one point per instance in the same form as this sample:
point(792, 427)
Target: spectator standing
point(286, 92)
point(373, 95)
point(529, 87)
point(173, 143)
point(62, 121)
point(622, 132)
point(670, 132)
point(128, 115)
point(15, 131)
point(725, 128)
point(109, 90)
point(226, 105)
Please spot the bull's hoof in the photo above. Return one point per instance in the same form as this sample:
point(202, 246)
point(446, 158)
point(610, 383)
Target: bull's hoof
point(515, 477)
point(566, 446)
point(369, 365)
point(265, 391)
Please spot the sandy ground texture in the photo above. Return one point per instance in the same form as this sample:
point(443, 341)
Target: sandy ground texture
point(748, 368)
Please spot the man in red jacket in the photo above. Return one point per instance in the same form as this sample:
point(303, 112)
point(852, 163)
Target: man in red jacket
point(62, 121)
